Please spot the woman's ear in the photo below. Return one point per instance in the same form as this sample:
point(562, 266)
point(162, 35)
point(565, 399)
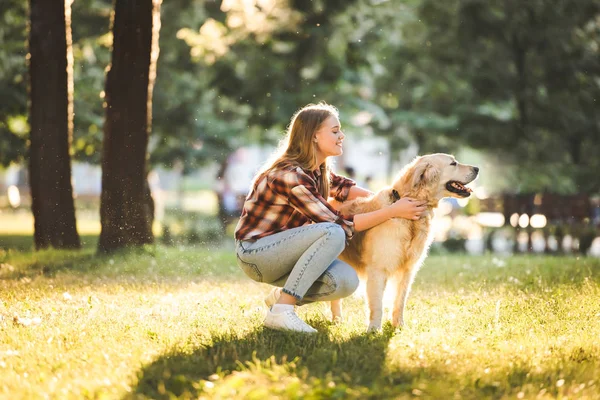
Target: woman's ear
point(423, 174)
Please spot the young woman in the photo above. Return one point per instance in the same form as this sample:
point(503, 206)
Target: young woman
point(289, 236)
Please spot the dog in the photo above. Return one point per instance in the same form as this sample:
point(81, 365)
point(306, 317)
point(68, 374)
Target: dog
point(396, 248)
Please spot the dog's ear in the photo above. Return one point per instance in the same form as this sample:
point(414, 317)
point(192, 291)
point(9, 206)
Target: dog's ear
point(425, 173)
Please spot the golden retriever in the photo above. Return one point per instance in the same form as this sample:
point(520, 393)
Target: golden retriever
point(396, 248)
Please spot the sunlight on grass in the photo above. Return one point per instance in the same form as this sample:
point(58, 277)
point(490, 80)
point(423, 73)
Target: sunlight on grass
point(185, 323)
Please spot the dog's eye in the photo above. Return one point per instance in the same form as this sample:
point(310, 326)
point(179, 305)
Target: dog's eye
point(453, 163)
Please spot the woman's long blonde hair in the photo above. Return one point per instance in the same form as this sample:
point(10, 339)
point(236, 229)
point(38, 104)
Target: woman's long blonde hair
point(298, 146)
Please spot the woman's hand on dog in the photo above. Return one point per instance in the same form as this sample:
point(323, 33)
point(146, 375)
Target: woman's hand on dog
point(409, 208)
point(404, 208)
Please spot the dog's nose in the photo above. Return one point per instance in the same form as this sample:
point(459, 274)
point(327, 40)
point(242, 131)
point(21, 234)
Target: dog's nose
point(476, 169)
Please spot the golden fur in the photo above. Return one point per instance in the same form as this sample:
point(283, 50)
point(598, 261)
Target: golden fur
point(396, 248)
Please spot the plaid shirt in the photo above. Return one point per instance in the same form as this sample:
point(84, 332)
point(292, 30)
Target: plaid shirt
point(288, 197)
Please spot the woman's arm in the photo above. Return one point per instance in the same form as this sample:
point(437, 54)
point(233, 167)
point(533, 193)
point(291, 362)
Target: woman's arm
point(356, 192)
point(404, 208)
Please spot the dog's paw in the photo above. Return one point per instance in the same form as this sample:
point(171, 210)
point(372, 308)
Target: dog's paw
point(374, 329)
point(336, 315)
point(398, 324)
point(390, 330)
point(336, 311)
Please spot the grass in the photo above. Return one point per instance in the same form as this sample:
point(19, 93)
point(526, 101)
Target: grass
point(24, 242)
point(185, 323)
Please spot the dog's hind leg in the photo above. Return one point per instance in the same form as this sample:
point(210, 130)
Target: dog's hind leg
point(403, 283)
point(375, 287)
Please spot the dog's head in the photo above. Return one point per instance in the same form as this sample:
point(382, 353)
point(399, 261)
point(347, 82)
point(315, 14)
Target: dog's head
point(435, 176)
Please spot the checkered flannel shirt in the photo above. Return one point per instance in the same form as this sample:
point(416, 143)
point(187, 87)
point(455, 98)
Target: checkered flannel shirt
point(288, 197)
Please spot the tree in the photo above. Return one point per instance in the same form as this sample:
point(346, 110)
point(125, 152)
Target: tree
point(51, 120)
point(14, 128)
point(515, 79)
point(189, 126)
point(126, 209)
point(261, 61)
point(91, 53)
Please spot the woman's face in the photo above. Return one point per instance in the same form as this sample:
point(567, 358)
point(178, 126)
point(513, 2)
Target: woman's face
point(329, 139)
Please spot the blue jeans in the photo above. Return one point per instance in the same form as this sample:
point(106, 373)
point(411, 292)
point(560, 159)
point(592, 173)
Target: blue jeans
point(302, 260)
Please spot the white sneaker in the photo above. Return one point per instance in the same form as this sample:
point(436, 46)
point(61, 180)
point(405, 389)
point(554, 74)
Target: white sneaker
point(287, 321)
point(273, 297)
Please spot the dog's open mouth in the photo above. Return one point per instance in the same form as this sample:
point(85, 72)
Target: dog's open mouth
point(458, 188)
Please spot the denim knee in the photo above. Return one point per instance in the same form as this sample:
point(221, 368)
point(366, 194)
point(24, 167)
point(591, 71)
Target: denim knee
point(347, 284)
point(337, 236)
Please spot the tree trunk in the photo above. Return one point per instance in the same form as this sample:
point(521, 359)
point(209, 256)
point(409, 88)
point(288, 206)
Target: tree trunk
point(51, 119)
point(126, 207)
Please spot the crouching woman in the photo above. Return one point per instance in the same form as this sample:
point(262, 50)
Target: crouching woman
point(289, 236)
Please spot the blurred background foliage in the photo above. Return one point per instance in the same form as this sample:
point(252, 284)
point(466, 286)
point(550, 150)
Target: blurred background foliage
point(517, 80)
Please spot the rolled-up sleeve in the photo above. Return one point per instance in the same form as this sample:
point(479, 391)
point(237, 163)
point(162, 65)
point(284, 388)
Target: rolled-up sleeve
point(340, 187)
point(301, 190)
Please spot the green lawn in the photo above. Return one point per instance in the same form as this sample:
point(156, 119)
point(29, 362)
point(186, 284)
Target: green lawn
point(185, 323)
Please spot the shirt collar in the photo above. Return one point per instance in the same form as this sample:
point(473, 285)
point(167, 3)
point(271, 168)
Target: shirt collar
point(314, 172)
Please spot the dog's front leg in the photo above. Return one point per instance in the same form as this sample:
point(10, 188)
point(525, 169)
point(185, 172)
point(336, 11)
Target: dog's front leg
point(336, 310)
point(375, 288)
point(403, 282)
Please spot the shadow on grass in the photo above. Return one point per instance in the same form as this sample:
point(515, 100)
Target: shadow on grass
point(24, 243)
point(48, 263)
point(321, 358)
point(19, 260)
point(272, 364)
point(147, 263)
